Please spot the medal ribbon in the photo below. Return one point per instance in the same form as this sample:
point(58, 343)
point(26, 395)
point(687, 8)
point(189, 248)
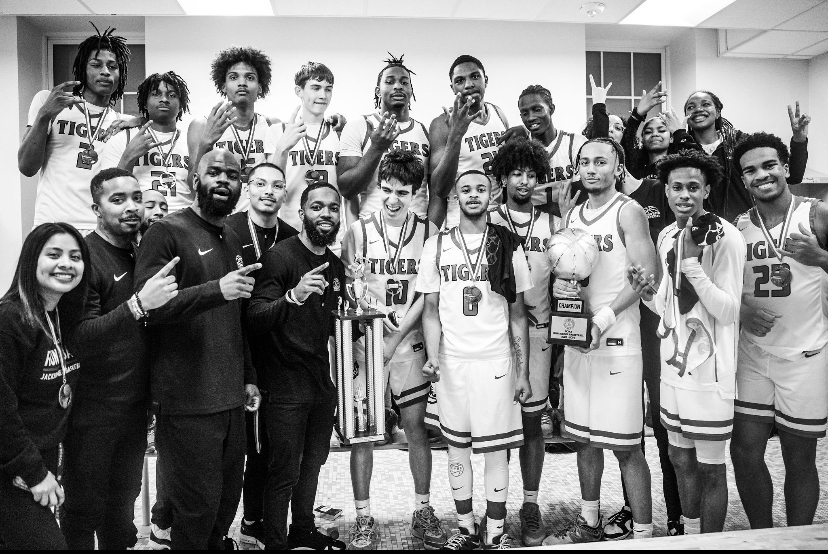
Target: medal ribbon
point(165, 158)
point(310, 156)
point(386, 240)
point(783, 234)
point(255, 236)
point(247, 147)
point(479, 262)
point(90, 135)
point(57, 338)
point(513, 228)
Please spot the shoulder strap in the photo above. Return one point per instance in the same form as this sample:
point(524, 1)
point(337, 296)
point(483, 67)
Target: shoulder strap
point(439, 251)
point(364, 237)
point(500, 115)
point(571, 148)
point(425, 131)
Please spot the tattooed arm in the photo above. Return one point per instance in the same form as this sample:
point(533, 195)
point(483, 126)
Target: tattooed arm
point(519, 327)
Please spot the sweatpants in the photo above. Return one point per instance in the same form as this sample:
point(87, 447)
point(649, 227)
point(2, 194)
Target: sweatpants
point(255, 472)
point(104, 465)
point(202, 461)
point(300, 439)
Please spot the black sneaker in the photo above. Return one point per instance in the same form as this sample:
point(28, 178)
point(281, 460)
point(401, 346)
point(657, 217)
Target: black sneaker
point(619, 526)
point(229, 544)
point(299, 539)
point(675, 528)
point(464, 540)
point(252, 534)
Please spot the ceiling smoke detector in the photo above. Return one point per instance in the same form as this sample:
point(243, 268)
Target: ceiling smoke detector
point(591, 9)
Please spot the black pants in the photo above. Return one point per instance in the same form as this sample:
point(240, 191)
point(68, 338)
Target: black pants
point(300, 439)
point(651, 354)
point(255, 472)
point(162, 515)
point(24, 523)
point(202, 461)
point(104, 465)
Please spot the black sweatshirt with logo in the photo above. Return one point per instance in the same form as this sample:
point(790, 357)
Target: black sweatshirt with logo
point(31, 420)
point(199, 357)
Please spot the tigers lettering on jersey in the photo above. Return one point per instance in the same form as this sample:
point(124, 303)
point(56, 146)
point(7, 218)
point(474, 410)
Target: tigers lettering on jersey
point(483, 140)
point(323, 157)
point(558, 174)
point(461, 272)
point(604, 243)
point(75, 129)
point(381, 266)
point(422, 150)
point(236, 148)
point(154, 159)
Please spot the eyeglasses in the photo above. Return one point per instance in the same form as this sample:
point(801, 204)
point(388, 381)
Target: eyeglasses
point(262, 185)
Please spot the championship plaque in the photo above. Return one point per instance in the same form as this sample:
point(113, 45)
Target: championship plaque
point(573, 254)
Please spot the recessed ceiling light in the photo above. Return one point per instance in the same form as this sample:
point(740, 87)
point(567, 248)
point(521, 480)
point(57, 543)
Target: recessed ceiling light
point(591, 9)
point(672, 13)
point(223, 7)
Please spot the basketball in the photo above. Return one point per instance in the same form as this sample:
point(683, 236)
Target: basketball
point(573, 254)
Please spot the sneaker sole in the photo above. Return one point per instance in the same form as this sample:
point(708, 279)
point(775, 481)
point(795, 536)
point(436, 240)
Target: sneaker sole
point(420, 535)
point(158, 546)
point(247, 539)
point(531, 542)
point(616, 539)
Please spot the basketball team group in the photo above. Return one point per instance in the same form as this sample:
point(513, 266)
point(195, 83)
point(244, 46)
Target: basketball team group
point(189, 275)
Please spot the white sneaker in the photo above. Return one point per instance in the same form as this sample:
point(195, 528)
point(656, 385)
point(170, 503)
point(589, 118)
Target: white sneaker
point(159, 539)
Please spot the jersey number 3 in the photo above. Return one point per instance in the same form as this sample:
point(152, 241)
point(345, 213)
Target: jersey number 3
point(763, 277)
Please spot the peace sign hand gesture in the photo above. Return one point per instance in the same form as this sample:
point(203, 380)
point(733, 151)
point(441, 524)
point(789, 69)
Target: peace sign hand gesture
point(650, 100)
point(221, 117)
point(799, 123)
point(459, 118)
point(293, 133)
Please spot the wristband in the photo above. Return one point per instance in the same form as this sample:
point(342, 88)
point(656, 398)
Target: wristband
point(140, 306)
point(133, 307)
point(291, 297)
point(604, 319)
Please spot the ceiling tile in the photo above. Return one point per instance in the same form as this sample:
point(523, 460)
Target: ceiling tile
point(757, 14)
point(780, 42)
point(521, 10)
point(570, 11)
point(42, 7)
point(131, 7)
point(815, 19)
point(421, 8)
point(322, 8)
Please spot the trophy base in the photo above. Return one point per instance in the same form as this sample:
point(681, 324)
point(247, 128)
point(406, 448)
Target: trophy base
point(569, 325)
point(361, 437)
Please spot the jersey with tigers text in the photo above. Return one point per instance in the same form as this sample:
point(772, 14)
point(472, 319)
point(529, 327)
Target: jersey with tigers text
point(255, 153)
point(562, 153)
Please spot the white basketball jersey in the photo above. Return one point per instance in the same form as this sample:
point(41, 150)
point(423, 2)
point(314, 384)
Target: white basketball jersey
point(255, 153)
point(803, 326)
point(150, 167)
point(382, 272)
point(298, 164)
point(413, 137)
point(562, 153)
point(609, 278)
point(471, 330)
point(477, 150)
point(63, 188)
point(534, 249)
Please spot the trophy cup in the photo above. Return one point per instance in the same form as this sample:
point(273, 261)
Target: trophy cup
point(573, 254)
point(361, 412)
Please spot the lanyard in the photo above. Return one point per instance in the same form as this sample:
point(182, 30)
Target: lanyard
point(479, 262)
point(310, 156)
point(93, 136)
point(513, 228)
point(245, 147)
point(387, 240)
point(255, 236)
point(783, 234)
point(165, 158)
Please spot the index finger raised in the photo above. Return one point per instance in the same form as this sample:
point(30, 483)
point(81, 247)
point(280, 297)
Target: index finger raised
point(295, 113)
point(319, 269)
point(249, 269)
point(66, 84)
point(167, 268)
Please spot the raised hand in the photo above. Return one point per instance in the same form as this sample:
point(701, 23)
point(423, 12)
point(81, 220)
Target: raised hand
point(59, 99)
point(386, 132)
point(48, 492)
point(293, 133)
point(431, 371)
point(513, 132)
point(565, 201)
point(140, 144)
point(599, 95)
point(650, 100)
point(691, 248)
point(161, 288)
point(804, 248)
point(673, 121)
point(311, 283)
point(221, 117)
point(643, 285)
point(799, 123)
point(459, 118)
point(238, 284)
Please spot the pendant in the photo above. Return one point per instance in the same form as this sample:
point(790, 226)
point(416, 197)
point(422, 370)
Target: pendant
point(394, 319)
point(89, 157)
point(312, 176)
point(781, 276)
point(168, 180)
point(472, 295)
point(393, 287)
point(65, 396)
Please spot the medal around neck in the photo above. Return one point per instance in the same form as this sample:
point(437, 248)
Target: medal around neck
point(361, 411)
point(573, 254)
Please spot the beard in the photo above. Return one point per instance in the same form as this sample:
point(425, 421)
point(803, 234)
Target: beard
point(317, 237)
point(214, 207)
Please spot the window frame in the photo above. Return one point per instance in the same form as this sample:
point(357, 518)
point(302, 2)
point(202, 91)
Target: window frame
point(631, 50)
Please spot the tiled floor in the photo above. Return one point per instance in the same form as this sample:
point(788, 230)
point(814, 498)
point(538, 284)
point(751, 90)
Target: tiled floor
point(392, 494)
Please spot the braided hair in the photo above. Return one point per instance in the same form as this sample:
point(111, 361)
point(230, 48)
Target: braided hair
point(393, 61)
point(543, 92)
point(174, 82)
point(94, 44)
point(619, 153)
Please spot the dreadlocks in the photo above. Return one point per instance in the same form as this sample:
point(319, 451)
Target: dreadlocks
point(229, 57)
point(93, 45)
point(174, 82)
point(393, 61)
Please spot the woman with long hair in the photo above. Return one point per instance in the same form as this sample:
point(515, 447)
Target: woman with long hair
point(37, 374)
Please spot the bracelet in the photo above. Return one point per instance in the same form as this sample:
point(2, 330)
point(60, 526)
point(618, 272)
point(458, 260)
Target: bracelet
point(291, 297)
point(140, 306)
point(604, 319)
point(133, 307)
point(137, 308)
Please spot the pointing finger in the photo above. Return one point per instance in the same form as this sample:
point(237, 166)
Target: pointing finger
point(295, 113)
point(790, 113)
point(591, 80)
point(167, 268)
point(249, 269)
point(804, 230)
point(608, 87)
point(319, 269)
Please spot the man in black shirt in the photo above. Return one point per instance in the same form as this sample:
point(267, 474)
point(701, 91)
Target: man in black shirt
point(107, 435)
point(260, 228)
point(297, 290)
point(202, 376)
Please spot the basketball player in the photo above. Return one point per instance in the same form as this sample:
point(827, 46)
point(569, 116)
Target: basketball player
point(62, 140)
point(474, 277)
point(108, 435)
point(202, 374)
point(308, 145)
point(390, 240)
point(157, 153)
point(365, 141)
point(463, 139)
point(516, 167)
point(260, 228)
point(781, 375)
point(241, 75)
point(603, 383)
point(702, 262)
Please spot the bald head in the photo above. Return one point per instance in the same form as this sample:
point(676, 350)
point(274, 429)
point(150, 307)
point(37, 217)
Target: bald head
point(217, 183)
point(218, 156)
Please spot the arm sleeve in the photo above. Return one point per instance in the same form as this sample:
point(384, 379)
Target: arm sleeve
point(268, 304)
point(428, 276)
point(350, 143)
point(157, 249)
point(600, 120)
point(37, 103)
point(90, 333)
point(113, 150)
point(721, 295)
point(19, 456)
point(631, 133)
point(274, 133)
point(798, 161)
point(250, 377)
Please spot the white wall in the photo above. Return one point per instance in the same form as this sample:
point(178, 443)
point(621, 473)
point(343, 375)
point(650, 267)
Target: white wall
point(10, 229)
point(818, 109)
point(515, 55)
point(29, 83)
